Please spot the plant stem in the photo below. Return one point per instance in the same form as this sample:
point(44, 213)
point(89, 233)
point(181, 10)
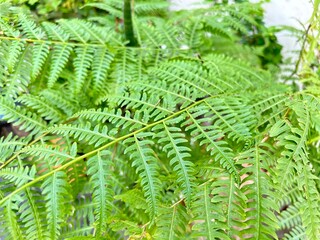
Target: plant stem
point(128, 25)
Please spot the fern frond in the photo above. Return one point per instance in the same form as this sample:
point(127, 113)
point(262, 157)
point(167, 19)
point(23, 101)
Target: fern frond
point(232, 116)
point(249, 76)
point(126, 67)
point(190, 77)
point(310, 204)
point(294, 140)
point(130, 228)
point(146, 167)
point(81, 223)
point(173, 222)
point(9, 222)
point(182, 137)
point(100, 66)
point(32, 216)
point(269, 108)
point(260, 192)
point(297, 233)
point(40, 52)
point(19, 78)
point(18, 175)
point(29, 27)
point(75, 31)
point(208, 222)
point(125, 120)
point(15, 48)
point(96, 136)
point(61, 101)
point(55, 192)
point(9, 145)
point(134, 198)
point(55, 32)
point(96, 34)
point(99, 170)
point(44, 108)
point(82, 61)
point(112, 7)
point(211, 137)
point(161, 35)
point(20, 117)
point(229, 201)
point(150, 107)
point(55, 155)
point(60, 55)
point(290, 218)
point(173, 140)
point(151, 8)
point(162, 89)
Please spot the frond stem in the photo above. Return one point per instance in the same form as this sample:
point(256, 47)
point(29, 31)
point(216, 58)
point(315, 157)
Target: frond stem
point(52, 42)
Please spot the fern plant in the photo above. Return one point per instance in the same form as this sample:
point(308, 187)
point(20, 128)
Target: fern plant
point(166, 138)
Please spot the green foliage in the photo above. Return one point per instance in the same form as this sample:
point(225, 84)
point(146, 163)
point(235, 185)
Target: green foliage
point(184, 137)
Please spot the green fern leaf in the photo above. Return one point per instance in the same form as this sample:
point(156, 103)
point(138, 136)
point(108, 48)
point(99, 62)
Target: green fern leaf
point(231, 116)
point(173, 140)
point(208, 223)
point(229, 201)
point(114, 116)
point(310, 204)
point(9, 145)
point(98, 169)
point(29, 28)
point(134, 198)
point(111, 7)
point(173, 222)
point(55, 32)
point(84, 57)
point(20, 117)
point(297, 233)
point(56, 195)
point(9, 221)
point(211, 137)
point(146, 167)
point(60, 56)
point(96, 136)
point(44, 109)
point(290, 218)
point(39, 54)
point(18, 175)
point(100, 66)
point(58, 99)
point(96, 35)
point(15, 50)
point(19, 79)
point(261, 193)
point(54, 155)
point(32, 215)
point(75, 31)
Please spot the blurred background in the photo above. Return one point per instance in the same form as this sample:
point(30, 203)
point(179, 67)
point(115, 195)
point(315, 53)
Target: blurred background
point(291, 13)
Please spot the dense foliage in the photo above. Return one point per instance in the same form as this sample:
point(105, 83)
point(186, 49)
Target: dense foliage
point(178, 129)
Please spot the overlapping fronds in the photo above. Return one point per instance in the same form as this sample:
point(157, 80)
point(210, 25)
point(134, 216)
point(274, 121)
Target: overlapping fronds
point(168, 140)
